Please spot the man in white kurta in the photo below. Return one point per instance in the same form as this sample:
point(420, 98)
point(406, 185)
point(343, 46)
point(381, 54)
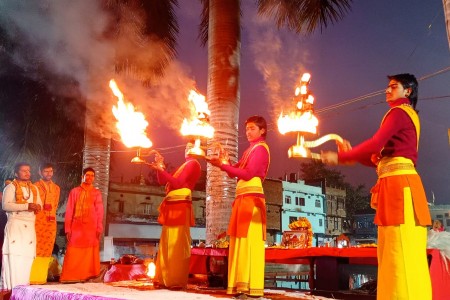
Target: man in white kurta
point(20, 202)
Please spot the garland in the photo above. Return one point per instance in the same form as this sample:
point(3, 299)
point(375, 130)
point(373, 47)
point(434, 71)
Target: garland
point(20, 198)
point(303, 223)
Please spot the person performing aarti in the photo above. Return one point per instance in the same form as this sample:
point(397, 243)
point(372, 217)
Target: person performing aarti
point(247, 227)
point(176, 217)
point(402, 213)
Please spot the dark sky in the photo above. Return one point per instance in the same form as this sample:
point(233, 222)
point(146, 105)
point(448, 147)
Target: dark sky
point(348, 60)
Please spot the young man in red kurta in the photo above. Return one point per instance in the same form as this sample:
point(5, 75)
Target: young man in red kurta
point(399, 198)
point(83, 226)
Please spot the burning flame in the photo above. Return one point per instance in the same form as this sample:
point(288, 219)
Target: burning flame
point(303, 118)
point(298, 122)
point(198, 125)
point(131, 124)
point(151, 270)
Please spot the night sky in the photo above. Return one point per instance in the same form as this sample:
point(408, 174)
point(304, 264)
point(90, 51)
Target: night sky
point(348, 61)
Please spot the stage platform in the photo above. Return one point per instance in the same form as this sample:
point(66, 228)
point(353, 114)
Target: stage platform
point(103, 291)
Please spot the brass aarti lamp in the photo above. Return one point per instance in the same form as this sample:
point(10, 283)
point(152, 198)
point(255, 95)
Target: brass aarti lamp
point(303, 121)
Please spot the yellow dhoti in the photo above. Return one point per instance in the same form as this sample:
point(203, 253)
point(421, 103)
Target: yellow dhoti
point(245, 270)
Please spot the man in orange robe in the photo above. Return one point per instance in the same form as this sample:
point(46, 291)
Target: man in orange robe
point(83, 226)
point(45, 224)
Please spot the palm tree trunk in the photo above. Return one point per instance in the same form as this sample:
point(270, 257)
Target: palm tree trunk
point(223, 100)
point(446, 4)
point(97, 154)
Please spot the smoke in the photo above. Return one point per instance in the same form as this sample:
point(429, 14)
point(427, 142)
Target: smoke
point(73, 42)
point(278, 58)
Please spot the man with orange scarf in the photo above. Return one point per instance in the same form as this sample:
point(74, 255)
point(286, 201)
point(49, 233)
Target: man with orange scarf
point(176, 217)
point(45, 224)
point(247, 227)
point(21, 202)
point(83, 226)
point(399, 198)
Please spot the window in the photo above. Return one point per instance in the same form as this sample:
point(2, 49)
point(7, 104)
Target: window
point(297, 201)
point(446, 215)
point(320, 223)
point(448, 222)
point(121, 206)
point(439, 216)
point(287, 199)
point(147, 209)
point(292, 219)
point(302, 201)
point(318, 203)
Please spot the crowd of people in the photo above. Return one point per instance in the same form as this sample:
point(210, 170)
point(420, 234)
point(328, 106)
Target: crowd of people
point(29, 229)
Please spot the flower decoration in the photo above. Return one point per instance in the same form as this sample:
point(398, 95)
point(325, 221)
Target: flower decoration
point(303, 223)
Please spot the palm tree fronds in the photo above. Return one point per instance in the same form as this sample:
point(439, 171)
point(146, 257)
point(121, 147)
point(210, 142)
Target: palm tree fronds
point(304, 16)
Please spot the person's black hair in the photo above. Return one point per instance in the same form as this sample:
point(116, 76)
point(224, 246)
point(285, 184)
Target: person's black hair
point(260, 122)
point(408, 81)
point(46, 165)
point(85, 170)
point(19, 165)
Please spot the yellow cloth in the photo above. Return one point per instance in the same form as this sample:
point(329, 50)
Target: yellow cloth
point(402, 259)
point(39, 270)
point(174, 254)
point(246, 260)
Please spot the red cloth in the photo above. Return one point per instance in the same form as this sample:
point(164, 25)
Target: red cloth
point(187, 178)
point(395, 137)
point(256, 163)
point(119, 272)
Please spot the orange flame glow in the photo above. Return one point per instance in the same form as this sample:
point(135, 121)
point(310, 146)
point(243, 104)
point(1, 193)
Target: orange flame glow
point(198, 125)
point(298, 122)
point(131, 124)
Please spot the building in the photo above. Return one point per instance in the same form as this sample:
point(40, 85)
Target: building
point(302, 200)
point(335, 211)
point(441, 213)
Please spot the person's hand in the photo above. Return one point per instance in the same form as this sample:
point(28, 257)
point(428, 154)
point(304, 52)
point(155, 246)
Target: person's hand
point(344, 146)
point(215, 161)
point(34, 207)
point(329, 158)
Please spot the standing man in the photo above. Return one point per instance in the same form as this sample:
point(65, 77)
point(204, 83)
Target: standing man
point(21, 202)
point(176, 217)
point(247, 227)
point(83, 226)
point(402, 213)
point(45, 224)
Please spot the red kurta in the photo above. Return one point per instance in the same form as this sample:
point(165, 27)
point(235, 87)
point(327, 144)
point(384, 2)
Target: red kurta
point(84, 223)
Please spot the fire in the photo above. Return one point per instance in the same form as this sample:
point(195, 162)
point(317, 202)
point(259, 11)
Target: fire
point(301, 120)
point(131, 124)
point(151, 270)
point(298, 122)
point(198, 125)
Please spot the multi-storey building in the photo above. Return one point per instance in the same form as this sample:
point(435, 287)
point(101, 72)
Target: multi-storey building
point(302, 200)
point(335, 211)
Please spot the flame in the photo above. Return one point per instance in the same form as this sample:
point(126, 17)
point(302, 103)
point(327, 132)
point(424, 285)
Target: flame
point(151, 270)
point(131, 124)
point(198, 125)
point(298, 122)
